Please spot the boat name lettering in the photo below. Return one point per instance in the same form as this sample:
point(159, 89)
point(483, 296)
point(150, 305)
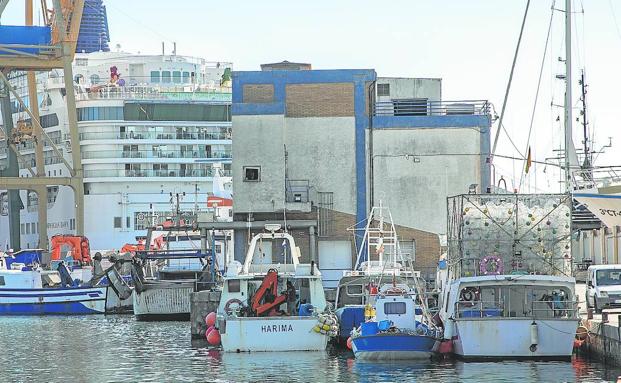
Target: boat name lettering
point(277, 328)
point(610, 212)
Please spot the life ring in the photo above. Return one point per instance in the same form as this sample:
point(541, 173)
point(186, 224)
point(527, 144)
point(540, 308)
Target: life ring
point(227, 306)
point(496, 265)
point(470, 294)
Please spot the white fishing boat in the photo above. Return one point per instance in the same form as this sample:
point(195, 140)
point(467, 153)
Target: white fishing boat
point(163, 279)
point(251, 316)
point(507, 285)
point(28, 289)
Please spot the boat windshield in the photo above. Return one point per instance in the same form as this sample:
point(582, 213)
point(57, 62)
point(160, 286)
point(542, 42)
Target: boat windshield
point(515, 301)
point(610, 277)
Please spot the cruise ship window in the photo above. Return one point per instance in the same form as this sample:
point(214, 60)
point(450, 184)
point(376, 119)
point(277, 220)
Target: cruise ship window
point(155, 76)
point(176, 77)
point(1, 280)
point(252, 173)
point(117, 222)
point(23, 225)
point(94, 79)
point(186, 77)
point(165, 76)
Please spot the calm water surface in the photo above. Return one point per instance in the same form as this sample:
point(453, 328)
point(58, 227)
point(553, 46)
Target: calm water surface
point(118, 348)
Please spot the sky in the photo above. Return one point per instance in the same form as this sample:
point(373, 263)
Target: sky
point(469, 44)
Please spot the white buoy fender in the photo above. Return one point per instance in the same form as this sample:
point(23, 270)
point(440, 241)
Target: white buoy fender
point(534, 336)
point(448, 329)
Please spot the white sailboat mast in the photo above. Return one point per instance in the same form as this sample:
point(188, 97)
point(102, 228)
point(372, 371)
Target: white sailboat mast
point(568, 96)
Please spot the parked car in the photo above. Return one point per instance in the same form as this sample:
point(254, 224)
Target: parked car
point(603, 287)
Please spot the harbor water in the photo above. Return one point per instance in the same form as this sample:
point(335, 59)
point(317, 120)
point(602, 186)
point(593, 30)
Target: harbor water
point(119, 348)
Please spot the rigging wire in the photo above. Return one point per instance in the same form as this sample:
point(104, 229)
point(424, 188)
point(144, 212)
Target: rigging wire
point(543, 61)
point(504, 103)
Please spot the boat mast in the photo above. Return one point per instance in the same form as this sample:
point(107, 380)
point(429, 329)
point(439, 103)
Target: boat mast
point(568, 95)
point(586, 164)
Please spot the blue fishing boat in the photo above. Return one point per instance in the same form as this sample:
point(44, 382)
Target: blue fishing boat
point(395, 332)
point(28, 289)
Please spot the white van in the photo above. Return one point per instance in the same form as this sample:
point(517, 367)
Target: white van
point(603, 287)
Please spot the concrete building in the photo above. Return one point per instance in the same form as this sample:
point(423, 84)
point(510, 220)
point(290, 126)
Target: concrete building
point(324, 146)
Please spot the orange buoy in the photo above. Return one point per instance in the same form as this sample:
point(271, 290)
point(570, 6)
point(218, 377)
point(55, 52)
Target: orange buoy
point(209, 329)
point(349, 343)
point(210, 319)
point(213, 337)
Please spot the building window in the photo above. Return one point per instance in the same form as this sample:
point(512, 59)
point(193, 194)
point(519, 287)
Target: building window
point(117, 222)
point(155, 76)
point(165, 76)
point(383, 90)
point(252, 173)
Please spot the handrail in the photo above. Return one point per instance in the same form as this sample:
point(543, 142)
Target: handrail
point(557, 309)
point(423, 107)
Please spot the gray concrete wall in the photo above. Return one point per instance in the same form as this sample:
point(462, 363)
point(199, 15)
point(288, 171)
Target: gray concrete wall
point(259, 141)
point(402, 87)
point(415, 187)
point(321, 149)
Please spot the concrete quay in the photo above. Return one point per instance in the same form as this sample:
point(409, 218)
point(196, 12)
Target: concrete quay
point(604, 334)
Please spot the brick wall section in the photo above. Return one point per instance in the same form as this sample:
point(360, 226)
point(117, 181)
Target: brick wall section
point(258, 93)
point(427, 244)
point(320, 100)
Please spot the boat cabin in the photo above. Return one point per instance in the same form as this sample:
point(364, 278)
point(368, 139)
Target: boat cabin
point(261, 289)
point(519, 296)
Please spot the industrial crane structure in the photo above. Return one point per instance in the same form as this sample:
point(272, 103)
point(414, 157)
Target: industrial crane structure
point(28, 49)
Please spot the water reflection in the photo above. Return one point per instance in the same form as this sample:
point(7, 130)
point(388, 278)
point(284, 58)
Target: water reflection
point(118, 348)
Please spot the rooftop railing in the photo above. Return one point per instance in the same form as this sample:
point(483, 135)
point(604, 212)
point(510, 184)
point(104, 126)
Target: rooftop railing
point(422, 107)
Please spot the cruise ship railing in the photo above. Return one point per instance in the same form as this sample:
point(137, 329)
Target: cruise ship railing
point(423, 107)
point(153, 136)
point(172, 154)
point(95, 173)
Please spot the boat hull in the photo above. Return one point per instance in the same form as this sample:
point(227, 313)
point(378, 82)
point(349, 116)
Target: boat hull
point(392, 347)
point(510, 338)
point(53, 301)
point(163, 301)
point(271, 334)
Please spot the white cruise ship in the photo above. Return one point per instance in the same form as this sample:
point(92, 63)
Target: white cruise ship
point(154, 129)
